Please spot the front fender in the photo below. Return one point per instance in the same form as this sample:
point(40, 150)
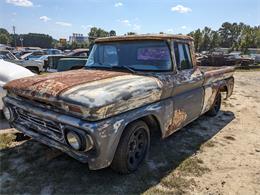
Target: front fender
point(114, 127)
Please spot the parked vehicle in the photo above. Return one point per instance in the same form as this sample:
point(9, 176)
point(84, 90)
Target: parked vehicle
point(36, 66)
point(256, 58)
point(52, 51)
point(76, 59)
point(79, 53)
point(7, 74)
point(7, 55)
point(65, 64)
point(33, 55)
point(221, 59)
point(132, 85)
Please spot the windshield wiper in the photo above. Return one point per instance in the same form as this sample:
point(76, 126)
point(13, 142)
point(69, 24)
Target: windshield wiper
point(124, 67)
point(101, 66)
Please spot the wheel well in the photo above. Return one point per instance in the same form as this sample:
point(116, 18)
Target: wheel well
point(32, 68)
point(76, 67)
point(224, 89)
point(153, 124)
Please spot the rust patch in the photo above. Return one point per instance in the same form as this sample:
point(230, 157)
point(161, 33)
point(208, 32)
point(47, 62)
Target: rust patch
point(51, 85)
point(211, 72)
point(177, 121)
point(143, 37)
point(209, 97)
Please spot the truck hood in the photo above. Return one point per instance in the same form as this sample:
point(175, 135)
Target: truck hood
point(97, 93)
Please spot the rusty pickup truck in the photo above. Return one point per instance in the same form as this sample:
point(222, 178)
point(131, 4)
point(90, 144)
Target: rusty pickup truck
point(131, 86)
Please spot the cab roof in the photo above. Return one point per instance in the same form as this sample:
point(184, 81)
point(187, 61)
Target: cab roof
point(143, 37)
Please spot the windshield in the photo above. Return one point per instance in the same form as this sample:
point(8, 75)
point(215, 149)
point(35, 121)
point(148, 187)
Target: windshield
point(6, 55)
point(137, 55)
point(43, 58)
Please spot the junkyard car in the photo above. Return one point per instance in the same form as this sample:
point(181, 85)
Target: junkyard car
point(35, 66)
point(9, 72)
point(132, 85)
point(73, 60)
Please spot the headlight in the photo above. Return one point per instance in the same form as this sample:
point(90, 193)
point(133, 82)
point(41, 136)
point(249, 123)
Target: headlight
point(74, 140)
point(78, 141)
point(8, 113)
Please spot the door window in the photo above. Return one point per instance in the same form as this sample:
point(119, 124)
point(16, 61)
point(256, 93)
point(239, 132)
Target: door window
point(182, 56)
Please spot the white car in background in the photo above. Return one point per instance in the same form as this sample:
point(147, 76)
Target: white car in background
point(8, 72)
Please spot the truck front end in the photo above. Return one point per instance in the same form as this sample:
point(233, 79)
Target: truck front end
point(88, 142)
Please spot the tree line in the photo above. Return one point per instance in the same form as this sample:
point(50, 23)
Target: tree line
point(230, 35)
point(236, 36)
point(27, 40)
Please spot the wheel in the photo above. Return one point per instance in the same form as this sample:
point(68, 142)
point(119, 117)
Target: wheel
point(1, 114)
point(132, 148)
point(216, 106)
point(34, 70)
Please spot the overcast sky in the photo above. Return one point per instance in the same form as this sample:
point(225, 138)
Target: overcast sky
point(60, 18)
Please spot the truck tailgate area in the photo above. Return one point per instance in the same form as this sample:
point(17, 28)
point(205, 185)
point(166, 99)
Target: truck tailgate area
point(213, 74)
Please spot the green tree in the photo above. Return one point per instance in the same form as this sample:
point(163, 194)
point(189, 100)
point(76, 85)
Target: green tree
point(250, 37)
point(112, 33)
point(230, 34)
point(34, 40)
point(96, 33)
point(206, 40)
point(197, 36)
point(5, 37)
point(215, 40)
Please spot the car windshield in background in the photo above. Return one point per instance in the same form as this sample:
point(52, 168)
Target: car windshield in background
point(141, 55)
point(6, 55)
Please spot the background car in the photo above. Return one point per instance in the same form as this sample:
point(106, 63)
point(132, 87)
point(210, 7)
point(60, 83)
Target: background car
point(8, 72)
point(36, 66)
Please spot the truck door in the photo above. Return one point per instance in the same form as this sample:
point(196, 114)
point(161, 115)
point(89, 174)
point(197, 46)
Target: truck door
point(187, 88)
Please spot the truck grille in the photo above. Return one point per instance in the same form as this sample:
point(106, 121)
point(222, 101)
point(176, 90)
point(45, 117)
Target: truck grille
point(43, 126)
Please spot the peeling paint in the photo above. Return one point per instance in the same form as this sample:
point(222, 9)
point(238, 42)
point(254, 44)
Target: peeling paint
point(117, 124)
point(177, 121)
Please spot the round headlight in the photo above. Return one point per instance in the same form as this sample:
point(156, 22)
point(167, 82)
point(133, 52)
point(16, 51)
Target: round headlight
point(74, 140)
point(8, 113)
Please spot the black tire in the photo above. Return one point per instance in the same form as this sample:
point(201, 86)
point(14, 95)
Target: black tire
point(216, 106)
point(1, 114)
point(33, 69)
point(132, 149)
point(76, 67)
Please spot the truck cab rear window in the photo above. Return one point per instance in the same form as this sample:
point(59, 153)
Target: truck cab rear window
point(182, 56)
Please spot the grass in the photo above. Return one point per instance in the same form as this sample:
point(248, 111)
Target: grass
point(193, 167)
point(180, 180)
point(209, 144)
point(6, 140)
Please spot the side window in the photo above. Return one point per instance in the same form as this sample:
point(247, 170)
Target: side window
point(108, 55)
point(182, 55)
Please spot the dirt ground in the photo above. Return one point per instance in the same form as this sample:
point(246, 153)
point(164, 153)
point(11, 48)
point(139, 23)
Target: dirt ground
point(219, 155)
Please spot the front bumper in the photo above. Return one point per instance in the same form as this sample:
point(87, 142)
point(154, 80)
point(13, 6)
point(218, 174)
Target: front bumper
point(48, 127)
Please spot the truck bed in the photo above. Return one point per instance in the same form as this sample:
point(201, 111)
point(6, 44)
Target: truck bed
point(213, 74)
